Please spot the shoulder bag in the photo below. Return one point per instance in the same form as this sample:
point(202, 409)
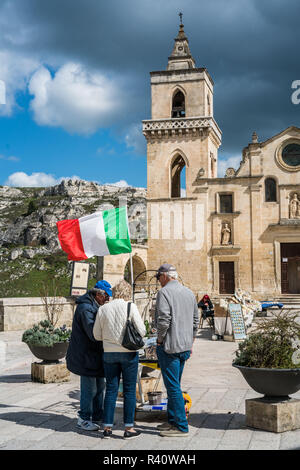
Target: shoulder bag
point(132, 339)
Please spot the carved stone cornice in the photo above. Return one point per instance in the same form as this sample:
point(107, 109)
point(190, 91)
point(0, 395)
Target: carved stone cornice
point(224, 215)
point(161, 128)
point(225, 250)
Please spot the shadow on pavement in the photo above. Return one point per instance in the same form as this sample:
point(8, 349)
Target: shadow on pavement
point(61, 423)
point(74, 394)
point(15, 378)
point(205, 334)
point(52, 421)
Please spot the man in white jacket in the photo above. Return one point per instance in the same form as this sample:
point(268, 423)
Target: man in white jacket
point(109, 327)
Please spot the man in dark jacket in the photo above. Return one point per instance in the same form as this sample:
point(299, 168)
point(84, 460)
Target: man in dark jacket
point(85, 356)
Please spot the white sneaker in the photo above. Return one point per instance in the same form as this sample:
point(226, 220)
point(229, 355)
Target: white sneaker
point(87, 425)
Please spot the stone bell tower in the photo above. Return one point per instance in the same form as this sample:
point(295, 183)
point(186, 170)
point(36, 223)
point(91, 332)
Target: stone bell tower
point(182, 131)
point(182, 147)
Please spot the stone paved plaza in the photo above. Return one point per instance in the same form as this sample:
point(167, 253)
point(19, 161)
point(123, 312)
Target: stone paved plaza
point(40, 416)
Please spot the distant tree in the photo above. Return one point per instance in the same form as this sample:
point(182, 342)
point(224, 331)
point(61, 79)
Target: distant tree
point(32, 207)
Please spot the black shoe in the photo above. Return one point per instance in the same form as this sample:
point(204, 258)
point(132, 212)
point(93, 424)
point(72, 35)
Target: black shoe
point(131, 434)
point(107, 433)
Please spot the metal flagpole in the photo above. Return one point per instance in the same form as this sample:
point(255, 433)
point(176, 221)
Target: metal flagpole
point(131, 272)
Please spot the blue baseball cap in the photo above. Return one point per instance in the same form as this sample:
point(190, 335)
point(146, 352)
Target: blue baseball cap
point(104, 285)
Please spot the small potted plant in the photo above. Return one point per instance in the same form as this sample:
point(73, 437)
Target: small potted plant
point(269, 358)
point(47, 342)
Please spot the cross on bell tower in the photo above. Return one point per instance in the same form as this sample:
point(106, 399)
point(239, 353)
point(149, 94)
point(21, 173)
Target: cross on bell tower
point(181, 57)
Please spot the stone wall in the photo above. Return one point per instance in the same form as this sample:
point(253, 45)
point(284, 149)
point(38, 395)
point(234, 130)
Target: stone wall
point(22, 313)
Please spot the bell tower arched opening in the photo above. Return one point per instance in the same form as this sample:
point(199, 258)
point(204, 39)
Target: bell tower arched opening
point(178, 177)
point(178, 105)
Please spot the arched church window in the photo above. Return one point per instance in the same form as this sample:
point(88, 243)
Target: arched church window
point(178, 105)
point(270, 190)
point(208, 105)
point(178, 177)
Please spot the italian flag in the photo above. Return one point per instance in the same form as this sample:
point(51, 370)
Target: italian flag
point(99, 234)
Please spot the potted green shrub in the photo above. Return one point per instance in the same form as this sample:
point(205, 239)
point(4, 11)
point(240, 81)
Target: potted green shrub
point(269, 358)
point(45, 340)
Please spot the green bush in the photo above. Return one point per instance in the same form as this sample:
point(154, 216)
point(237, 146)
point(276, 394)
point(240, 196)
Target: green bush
point(44, 334)
point(148, 328)
point(32, 207)
point(272, 344)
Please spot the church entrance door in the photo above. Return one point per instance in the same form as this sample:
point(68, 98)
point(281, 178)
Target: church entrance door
point(290, 268)
point(226, 270)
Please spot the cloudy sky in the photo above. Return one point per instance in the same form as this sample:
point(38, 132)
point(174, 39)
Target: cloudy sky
point(76, 74)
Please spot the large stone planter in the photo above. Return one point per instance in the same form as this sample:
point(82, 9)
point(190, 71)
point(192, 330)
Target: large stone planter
point(50, 353)
point(272, 383)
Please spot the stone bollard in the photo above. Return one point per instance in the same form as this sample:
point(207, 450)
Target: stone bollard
point(49, 372)
point(273, 415)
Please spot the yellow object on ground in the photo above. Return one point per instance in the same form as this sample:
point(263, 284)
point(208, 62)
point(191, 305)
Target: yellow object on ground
point(152, 365)
point(188, 401)
point(186, 397)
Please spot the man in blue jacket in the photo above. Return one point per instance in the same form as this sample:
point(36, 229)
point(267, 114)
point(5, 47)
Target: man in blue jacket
point(85, 356)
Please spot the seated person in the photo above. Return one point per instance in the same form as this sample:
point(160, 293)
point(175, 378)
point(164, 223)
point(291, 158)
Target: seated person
point(207, 307)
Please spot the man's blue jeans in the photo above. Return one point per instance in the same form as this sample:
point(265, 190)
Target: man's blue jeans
point(91, 398)
point(172, 367)
point(116, 363)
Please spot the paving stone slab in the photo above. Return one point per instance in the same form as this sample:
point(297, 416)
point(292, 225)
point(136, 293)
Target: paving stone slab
point(33, 434)
point(202, 443)
point(237, 437)
point(110, 444)
point(232, 400)
point(263, 445)
point(17, 444)
point(48, 412)
point(290, 440)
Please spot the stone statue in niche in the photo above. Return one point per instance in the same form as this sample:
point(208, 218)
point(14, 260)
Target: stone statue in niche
point(294, 207)
point(200, 174)
point(225, 235)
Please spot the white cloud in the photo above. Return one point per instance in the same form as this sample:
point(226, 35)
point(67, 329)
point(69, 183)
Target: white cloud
point(40, 180)
point(75, 99)
point(106, 150)
point(135, 139)
point(15, 71)
point(230, 162)
point(11, 158)
point(2, 92)
point(120, 184)
point(22, 180)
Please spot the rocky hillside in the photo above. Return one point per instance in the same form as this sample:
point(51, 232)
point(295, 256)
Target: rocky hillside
point(29, 248)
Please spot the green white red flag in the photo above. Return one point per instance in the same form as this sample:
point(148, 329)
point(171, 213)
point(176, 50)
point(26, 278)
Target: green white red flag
point(99, 234)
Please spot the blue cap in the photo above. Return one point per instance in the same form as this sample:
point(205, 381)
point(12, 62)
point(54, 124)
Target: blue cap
point(104, 285)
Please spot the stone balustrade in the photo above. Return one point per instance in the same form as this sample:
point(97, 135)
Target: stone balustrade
point(161, 127)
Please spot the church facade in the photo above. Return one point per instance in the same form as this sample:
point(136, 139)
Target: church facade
point(239, 231)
